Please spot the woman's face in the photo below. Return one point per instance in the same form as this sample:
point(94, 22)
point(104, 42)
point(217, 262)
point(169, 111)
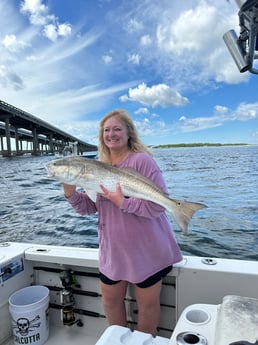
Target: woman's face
point(115, 134)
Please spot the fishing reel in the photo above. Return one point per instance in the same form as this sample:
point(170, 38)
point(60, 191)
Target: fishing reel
point(67, 299)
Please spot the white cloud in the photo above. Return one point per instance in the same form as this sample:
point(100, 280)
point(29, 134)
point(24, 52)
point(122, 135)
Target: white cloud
point(146, 40)
point(134, 59)
point(189, 32)
point(157, 95)
point(151, 130)
point(11, 43)
point(144, 127)
point(199, 123)
point(31, 58)
point(107, 59)
point(64, 29)
point(244, 112)
point(50, 31)
point(133, 25)
point(221, 109)
point(142, 111)
point(53, 31)
point(38, 15)
point(8, 78)
point(84, 130)
point(36, 10)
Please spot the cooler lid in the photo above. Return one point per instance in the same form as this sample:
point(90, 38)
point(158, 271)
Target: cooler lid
point(118, 335)
point(237, 320)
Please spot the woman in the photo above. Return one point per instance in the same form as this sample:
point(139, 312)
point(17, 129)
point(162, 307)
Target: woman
point(136, 241)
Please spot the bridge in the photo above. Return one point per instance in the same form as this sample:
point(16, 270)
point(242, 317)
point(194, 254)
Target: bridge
point(23, 133)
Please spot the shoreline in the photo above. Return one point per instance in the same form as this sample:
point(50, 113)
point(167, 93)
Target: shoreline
point(198, 145)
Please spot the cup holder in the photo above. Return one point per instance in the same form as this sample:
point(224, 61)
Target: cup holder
point(197, 316)
point(186, 338)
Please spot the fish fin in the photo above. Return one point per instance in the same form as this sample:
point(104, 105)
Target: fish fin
point(184, 213)
point(92, 194)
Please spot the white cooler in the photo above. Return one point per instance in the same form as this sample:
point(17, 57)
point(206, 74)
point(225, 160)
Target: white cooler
point(118, 335)
point(237, 320)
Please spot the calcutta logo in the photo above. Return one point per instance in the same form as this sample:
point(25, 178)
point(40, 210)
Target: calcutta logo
point(23, 328)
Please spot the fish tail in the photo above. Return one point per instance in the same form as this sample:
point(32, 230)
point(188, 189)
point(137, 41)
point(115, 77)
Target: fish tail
point(184, 211)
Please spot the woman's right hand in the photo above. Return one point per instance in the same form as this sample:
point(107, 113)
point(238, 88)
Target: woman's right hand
point(68, 190)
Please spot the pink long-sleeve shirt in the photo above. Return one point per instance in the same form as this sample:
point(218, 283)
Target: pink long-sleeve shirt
point(135, 240)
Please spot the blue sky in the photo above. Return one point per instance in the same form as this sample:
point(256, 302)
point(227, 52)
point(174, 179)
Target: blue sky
point(69, 62)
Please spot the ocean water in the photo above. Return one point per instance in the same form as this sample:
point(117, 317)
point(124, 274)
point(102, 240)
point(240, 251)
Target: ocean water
point(33, 208)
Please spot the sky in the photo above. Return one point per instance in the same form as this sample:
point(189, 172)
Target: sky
point(69, 62)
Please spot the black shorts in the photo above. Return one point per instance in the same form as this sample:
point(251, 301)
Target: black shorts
point(145, 284)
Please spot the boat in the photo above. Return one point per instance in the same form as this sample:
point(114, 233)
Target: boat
point(90, 154)
point(204, 300)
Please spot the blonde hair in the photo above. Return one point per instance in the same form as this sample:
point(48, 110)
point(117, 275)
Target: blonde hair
point(134, 142)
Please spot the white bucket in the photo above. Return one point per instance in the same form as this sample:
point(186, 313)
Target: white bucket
point(29, 311)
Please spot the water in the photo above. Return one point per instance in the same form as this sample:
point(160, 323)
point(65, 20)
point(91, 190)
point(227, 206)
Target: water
point(33, 209)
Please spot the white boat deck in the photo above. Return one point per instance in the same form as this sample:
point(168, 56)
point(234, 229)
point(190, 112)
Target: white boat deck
point(66, 336)
point(114, 334)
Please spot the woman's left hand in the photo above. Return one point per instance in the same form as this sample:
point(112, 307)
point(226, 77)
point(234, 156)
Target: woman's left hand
point(116, 197)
